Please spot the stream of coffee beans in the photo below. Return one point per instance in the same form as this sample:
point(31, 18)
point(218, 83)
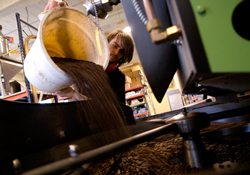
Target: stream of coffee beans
point(101, 113)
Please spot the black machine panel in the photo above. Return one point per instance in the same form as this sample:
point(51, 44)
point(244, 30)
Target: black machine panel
point(30, 127)
point(159, 62)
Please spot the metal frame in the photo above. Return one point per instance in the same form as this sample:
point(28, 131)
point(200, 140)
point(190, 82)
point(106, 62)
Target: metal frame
point(22, 50)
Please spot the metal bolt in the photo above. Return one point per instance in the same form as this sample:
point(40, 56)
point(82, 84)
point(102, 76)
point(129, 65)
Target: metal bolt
point(177, 42)
point(184, 110)
point(17, 166)
point(73, 150)
point(202, 90)
point(201, 9)
point(197, 85)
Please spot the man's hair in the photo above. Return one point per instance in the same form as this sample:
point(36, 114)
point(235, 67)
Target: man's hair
point(127, 44)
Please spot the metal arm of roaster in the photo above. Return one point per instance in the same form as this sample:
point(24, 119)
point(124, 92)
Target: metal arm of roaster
point(26, 48)
point(102, 152)
point(190, 124)
point(154, 26)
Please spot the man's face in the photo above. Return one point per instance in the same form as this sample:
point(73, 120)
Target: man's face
point(116, 49)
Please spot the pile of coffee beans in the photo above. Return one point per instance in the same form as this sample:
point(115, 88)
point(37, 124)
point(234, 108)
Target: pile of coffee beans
point(164, 155)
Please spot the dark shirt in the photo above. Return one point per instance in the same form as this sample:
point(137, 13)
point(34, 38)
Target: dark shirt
point(117, 82)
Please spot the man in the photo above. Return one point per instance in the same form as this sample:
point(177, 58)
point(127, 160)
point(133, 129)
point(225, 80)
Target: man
point(121, 51)
point(121, 48)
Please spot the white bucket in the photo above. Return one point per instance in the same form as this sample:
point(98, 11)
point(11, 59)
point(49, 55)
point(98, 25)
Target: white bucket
point(63, 32)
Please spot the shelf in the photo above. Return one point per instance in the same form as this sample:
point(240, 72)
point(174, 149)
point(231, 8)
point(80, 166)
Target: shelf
point(137, 105)
point(135, 96)
point(17, 95)
point(134, 88)
point(137, 115)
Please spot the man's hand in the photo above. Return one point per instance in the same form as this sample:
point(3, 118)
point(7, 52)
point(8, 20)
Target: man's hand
point(66, 92)
point(55, 3)
point(70, 93)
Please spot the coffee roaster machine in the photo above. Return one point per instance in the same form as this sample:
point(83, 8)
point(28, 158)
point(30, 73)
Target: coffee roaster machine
point(206, 42)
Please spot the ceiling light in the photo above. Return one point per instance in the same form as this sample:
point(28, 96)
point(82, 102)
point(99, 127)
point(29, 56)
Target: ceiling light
point(127, 29)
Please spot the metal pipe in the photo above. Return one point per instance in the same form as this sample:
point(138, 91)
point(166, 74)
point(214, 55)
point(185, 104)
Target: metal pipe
point(56, 99)
point(19, 28)
point(2, 83)
point(149, 8)
point(154, 26)
point(40, 96)
point(102, 152)
point(10, 51)
point(28, 25)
